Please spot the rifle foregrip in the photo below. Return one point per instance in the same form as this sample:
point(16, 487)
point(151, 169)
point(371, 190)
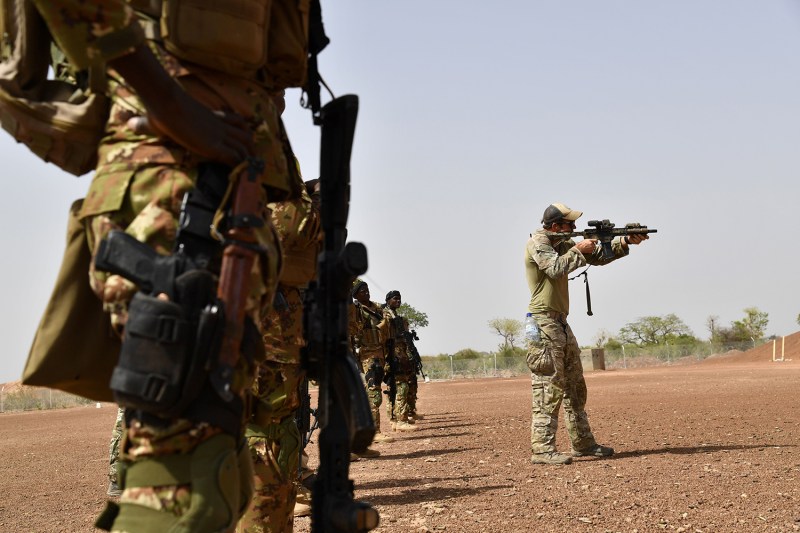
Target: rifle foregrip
point(120, 253)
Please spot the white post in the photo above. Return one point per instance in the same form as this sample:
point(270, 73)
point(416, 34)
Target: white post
point(624, 362)
point(451, 367)
point(773, 349)
point(495, 364)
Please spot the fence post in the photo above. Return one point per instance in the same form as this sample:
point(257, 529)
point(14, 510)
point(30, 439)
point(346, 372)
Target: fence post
point(451, 367)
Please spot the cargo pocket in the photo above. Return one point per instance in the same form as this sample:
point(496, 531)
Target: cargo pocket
point(540, 359)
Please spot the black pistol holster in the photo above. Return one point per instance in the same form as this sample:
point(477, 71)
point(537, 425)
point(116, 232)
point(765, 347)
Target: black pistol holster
point(171, 346)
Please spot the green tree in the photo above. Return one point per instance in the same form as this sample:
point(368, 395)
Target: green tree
point(416, 319)
point(650, 330)
point(752, 326)
point(508, 328)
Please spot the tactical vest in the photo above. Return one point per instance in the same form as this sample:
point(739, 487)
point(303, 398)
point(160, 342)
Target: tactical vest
point(368, 336)
point(267, 39)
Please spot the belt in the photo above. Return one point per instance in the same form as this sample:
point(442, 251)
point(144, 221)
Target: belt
point(557, 316)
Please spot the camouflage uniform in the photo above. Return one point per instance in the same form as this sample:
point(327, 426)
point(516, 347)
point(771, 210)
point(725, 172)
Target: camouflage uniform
point(272, 434)
point(401, 365)
point(138, 187)
point(368, 329)
point(556, 372)
point(113, 447)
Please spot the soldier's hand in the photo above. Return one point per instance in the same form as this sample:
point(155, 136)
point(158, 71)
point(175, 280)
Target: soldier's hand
point(636, 238)
point(587, 246)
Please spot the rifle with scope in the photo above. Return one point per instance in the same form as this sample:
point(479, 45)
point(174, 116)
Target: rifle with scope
point(604, 232)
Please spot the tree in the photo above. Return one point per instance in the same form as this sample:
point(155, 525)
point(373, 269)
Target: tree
point(601, 338)
point(752, 326)
point(416, 319)
point(508, 328)
point(712, 323)
point(650, 330)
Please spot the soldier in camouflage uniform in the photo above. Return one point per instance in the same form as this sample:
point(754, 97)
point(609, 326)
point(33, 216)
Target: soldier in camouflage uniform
point(399, 362)
point(368, 329)
point(167, 117)
point(113, 453)
point(554, 360)
point(272, 433)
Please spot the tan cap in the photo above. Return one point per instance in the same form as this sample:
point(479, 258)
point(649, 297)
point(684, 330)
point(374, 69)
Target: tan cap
point(556, 212)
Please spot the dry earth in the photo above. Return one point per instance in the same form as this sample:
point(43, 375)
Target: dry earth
point(711, 446)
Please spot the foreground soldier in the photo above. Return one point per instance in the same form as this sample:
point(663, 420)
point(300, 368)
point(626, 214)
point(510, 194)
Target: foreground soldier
point(556, 372)
point(189, 472)
point(399, 363)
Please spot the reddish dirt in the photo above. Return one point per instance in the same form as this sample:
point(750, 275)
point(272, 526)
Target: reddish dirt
point(701, 447)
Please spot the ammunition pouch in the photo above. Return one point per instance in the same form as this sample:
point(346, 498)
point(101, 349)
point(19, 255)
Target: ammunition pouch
point(369, 337)
point(244, 38)
point(374, 375)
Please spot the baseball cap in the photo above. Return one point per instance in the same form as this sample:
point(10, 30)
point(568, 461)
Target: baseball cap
point(559, 212)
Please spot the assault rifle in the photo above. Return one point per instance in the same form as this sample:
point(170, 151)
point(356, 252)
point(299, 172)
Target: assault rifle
point(303, 418)
point(343, 409)
point(389, 377)
point(416, 359)
point(604, 231)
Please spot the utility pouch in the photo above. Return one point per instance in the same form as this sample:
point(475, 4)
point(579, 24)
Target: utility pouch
point(154, 357)
point(230, 36)
point(288, 43)
point(540, 359)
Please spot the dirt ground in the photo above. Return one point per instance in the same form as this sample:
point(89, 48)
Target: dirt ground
point(710, 446)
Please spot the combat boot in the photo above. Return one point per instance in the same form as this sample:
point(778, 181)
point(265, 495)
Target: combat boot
point(369, 453)
point(380, 437)
point(417, 416)
point(551, 458)
point(405, 426)
point(594, 451)
point(302, 506)
point(113, 490)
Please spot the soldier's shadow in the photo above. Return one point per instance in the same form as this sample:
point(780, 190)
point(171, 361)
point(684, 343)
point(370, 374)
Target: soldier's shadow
point(689, 450)
point(420, 493)
point(423, 453)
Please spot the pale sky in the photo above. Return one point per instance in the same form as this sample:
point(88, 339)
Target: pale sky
point(681, 115)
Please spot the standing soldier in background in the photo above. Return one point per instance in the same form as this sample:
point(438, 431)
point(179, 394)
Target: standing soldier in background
point(369, 330)
point(399, 362)
point(179, 103)
point(554, 360)
point(272, 434)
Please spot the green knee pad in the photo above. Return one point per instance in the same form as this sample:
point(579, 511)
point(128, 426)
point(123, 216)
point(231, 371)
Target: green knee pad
point(221, 478)
point(287, 436)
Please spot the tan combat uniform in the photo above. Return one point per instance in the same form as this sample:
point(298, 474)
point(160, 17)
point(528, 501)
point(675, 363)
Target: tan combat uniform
point(556, 372)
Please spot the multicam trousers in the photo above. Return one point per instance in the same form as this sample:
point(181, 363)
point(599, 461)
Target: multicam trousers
point(113, 446)
point(372, 363)
point(556, 378)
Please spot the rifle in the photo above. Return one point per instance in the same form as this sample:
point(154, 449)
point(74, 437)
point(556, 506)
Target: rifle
point(604, 231)
point(343, 410)
point(303, 418)
point(389, 377)
point(416, 359)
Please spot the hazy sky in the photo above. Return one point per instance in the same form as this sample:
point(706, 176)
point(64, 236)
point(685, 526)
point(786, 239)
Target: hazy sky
point(682, 115)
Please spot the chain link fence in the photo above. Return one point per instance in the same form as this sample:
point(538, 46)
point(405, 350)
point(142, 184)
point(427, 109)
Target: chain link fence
point(35, 399)
point(489, 365)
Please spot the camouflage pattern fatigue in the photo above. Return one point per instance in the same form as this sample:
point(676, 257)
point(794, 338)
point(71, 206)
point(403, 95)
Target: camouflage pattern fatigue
point(138, 187)
point(554, 361)
point(371, 361)
point(401, 365)
point(368, 329)
point(273, 436)
point(413, 387)
point(113, 447)
point(556, 379)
